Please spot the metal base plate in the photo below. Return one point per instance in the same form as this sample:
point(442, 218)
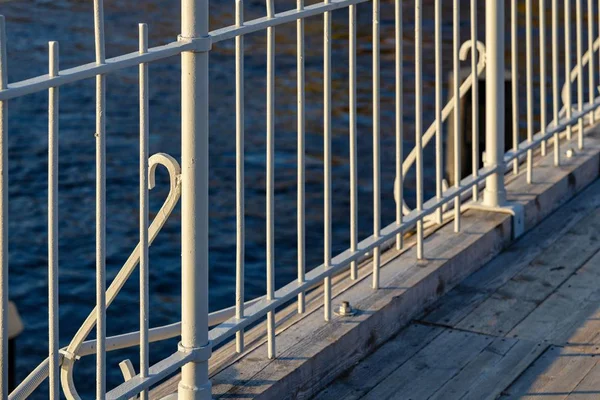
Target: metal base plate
point(515, 209)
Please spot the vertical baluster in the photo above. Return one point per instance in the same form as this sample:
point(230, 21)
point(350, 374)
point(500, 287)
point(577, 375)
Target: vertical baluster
point(542, 33)
point(419, 119)
point(270, 177)
point(3, 216)
point(569, 99)
point(399, 119)
point(239, 174)
point(53, 320)
point(579, 29)
point(100, 203)
point(438, 107)
point(376, 160)
point(144, 261)
point(529, 74)
point(301, 120)
point(529, 77)
point(592, 69)
point(514, 70)
point(555, 93)
point(352, 138)
point(475, 98)
point(327, 156)
point(456, 95)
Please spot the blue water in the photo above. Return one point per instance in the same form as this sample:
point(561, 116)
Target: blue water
point(31, 24)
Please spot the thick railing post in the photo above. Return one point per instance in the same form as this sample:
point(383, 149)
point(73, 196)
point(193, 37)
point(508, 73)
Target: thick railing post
point(494, 194)
point(194, 383)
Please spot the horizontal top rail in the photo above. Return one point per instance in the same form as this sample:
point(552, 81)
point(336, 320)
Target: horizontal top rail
point(228, 328)
point(281, 18)
point(86, 71)
point(192, 180)
point(44, 82)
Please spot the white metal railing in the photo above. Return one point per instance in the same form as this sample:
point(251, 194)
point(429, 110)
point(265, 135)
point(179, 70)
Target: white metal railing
point(190, 181)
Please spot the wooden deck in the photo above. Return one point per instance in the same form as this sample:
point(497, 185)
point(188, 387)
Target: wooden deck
point(525, 326)
point(470, 321)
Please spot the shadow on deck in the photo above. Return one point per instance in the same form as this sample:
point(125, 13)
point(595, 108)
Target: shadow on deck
point(482, 317)
point(525, 326)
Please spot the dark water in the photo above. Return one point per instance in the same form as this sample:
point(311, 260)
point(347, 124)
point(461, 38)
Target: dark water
point(31, 24)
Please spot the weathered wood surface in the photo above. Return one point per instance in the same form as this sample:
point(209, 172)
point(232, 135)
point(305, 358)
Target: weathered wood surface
point(525, 326)
point(309, 348)
point(507, 291)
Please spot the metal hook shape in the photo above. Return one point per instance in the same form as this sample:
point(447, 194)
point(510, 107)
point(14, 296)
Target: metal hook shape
point(464, 88)
point(128, 372)
point(159, 221)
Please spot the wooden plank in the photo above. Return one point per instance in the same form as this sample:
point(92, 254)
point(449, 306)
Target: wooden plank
point(368, 373)
point(462, 300)
point(429, 369)
point(494, 380)
point(522, 294)
point(490, 371)
point(315, 357)
point(407, 286)
point(589, 387)
point(553, 376)
point(255, 337)
point(570, 315)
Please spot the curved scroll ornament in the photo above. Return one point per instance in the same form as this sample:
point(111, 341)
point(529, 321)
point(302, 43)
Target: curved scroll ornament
point(71, 352)
point(574, 74)
point(465, 48)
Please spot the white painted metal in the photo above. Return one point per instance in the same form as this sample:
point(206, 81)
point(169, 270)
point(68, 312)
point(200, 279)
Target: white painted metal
point(456, 86)
point(438, 108)
point(567, 29)
point(254, 313)
point(352, 138)
point(301, 148)
point(327, 307)
point(73, 349)
point(376, 144)
point(194, 382)
point(591, 68)
point(100, 202)
point(399, 41)
point(525, 146)
point(449, 107)
point(542, 34)
point(514, 70)
point(43, 82)
point(529, 79)
point(555, 80)
point(579, 30)
point(270, 178)
point(494, 194)
point(239, 174)
point(475, 101)
point(419, 118)
point(3, 214)
point(193, 45)
point(144, 260)
point(53, 317)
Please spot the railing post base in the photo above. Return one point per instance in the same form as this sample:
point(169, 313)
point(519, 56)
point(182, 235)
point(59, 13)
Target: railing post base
point(202, 392)
point(515, 209)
